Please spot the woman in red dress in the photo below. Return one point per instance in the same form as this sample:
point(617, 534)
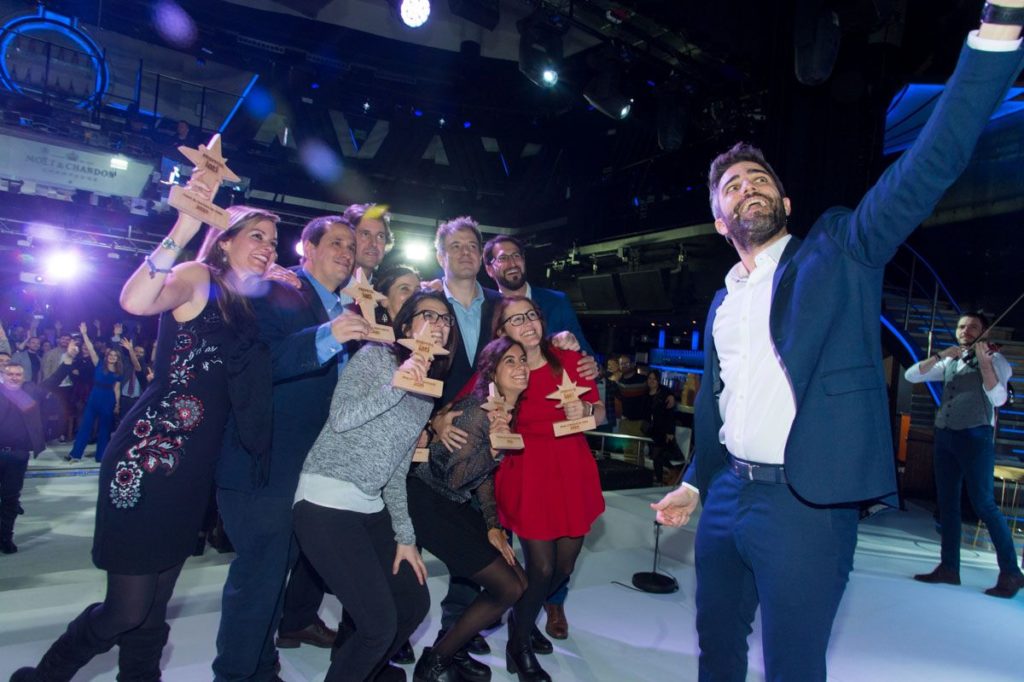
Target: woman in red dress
point(548, 494)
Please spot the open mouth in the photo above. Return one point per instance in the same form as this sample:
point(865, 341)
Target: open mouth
point(755, 202)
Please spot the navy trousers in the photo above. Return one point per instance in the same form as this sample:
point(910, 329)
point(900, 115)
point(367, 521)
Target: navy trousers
point(966, 457)
point(13, 464)
point(758, 544)
point(98, 411)
point(260, 528)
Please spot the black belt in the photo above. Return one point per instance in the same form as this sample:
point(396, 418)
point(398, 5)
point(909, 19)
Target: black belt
point(755, 471)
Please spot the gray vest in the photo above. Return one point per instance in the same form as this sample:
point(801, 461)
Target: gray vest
point(964, 402)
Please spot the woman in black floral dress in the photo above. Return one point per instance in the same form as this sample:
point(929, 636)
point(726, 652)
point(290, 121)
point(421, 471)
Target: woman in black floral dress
point(156, 476)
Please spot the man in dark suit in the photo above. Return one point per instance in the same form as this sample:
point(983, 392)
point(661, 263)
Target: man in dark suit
point(374, 238)
point(21, 435)
point(505, 262)
point(792, 422)
point(307, 331)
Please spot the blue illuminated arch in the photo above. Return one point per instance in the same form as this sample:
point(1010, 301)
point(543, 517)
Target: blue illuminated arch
point(47, 21)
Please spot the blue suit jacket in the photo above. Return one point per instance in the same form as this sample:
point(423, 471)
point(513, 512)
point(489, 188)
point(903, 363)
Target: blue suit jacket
point(462, 367)
point(303, 389)
point(559, 315)
point(826, 301)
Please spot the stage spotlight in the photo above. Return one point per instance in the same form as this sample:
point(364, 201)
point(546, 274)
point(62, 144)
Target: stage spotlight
point(62, 266)
point(540, 47)
point(298, 249)
point(414, 13)
point(604, 93)
point(416, 252)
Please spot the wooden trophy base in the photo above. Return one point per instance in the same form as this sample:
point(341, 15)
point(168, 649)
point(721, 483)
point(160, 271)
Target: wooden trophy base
point(507, 441)
point(430, 387)
point(568, 428)
point(421, 454)
point(198, 207)
point(381, 333)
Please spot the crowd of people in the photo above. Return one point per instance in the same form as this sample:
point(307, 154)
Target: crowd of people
point(264, 386)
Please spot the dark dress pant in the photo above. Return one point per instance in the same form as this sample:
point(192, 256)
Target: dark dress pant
point(13, 464)
point(260, 528)
point(966, 458)
point(758, 544)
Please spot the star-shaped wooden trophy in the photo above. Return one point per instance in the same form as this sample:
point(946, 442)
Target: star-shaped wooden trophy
point(421, 344)
point(209, 159)
point(568, 391)
point(496, 403)
point(367, 298)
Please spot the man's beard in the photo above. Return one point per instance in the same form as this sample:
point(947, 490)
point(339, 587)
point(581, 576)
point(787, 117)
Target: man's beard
point(506, 283)
point(745, 233)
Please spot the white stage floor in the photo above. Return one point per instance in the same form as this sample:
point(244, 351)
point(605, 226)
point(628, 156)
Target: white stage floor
point(889, 627)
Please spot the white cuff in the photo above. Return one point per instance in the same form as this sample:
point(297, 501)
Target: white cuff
point(991, 45)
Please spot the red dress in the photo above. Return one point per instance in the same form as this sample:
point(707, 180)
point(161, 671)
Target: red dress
point(550, 488)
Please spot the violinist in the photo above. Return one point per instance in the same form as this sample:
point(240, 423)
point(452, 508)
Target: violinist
point(974, 376)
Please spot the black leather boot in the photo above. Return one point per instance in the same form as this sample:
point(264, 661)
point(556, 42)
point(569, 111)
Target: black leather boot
point(139, 652)
point(540, 644)
point(71, 651)
point(520, 660)
point(405, 655)
point(467, 668)
point(434, 668)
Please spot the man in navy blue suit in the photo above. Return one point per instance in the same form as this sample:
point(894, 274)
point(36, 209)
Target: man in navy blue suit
point(791, 419)
point(307, 330)
point(505, 262)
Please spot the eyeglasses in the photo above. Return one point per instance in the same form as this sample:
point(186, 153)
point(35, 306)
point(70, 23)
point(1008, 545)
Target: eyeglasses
point(519, 319)
point(507, 258)
point(447, 319)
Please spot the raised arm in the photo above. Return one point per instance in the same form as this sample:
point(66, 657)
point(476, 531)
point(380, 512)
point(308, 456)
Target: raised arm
point(909, 189)
point(84, 329)
point(156, 286)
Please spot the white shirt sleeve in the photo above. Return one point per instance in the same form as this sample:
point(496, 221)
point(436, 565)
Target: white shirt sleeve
point(937, 373)
point(1001, 366)
point(990, 45)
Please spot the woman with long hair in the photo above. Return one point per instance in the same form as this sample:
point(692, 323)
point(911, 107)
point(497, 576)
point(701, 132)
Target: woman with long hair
point(156, 477)
point(549, 493)
point(351, 512)
point(104, 399)
point(470, 542)
point(398, 283)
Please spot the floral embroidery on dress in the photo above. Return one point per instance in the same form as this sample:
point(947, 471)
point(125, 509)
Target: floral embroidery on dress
point(162, 431)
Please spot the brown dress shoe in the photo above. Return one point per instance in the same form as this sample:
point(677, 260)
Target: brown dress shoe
point(1007, 585)
point(317, 634)
point(941, 574)
point(557, 626)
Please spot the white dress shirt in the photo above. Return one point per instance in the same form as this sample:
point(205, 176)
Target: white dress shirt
point(996, 395)
point(757, 403)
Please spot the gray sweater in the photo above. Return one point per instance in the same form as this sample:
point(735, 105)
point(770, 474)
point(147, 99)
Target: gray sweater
point(370, 435)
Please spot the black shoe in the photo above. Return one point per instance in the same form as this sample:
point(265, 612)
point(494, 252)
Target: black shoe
point(539, 643)
point(468, 669)
point(434, 668)
point(7, 546)
point(941, 574)
point(478, 645)
point(317, 634)
point(521, 661)
point(1007, 585)
point(405, 655)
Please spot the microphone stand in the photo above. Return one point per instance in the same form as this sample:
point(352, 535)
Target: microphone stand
point(653, 581)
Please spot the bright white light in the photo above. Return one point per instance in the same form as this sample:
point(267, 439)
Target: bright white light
point(118, 163)
point(549, 76)
point(416, 252)
point(414, 13)
point(298, 249)
point(62, 266)
point(624, 112)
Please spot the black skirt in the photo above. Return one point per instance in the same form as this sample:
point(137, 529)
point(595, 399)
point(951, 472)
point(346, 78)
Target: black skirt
point(453, 532)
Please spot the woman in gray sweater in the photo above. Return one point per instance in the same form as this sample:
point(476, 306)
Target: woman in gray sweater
point(351, 516)
point(470, 542)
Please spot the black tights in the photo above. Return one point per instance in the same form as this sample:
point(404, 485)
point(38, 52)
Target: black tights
point(503, 586)
point(548, 564)
point(133, 601)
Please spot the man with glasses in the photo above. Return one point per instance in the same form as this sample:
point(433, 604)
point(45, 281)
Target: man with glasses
point(505, 262)
point(373, 235)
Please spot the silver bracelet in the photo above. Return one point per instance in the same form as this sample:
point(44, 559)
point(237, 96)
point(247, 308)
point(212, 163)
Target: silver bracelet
point(170, 245)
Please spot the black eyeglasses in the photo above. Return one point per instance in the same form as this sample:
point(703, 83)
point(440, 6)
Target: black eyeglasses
point(432, 317)
point(519, 319)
